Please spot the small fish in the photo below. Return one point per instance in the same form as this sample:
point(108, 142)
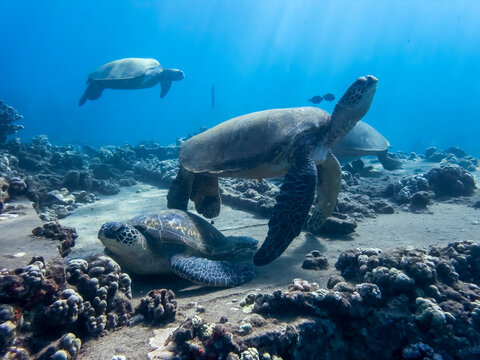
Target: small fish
point(329, 97)
point(317, 99)
point(213, 97)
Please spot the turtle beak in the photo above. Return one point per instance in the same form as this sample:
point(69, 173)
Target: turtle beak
point(370, 80)
point(109, 230)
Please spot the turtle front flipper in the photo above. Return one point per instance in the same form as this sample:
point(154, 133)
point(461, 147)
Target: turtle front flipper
point(292, 205)
point(165, 85)
point(211, 272)
point(206, 195)
point(180, 189)
point(328, 187)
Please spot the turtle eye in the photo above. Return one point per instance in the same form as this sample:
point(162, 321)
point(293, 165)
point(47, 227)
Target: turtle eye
point(113, 226)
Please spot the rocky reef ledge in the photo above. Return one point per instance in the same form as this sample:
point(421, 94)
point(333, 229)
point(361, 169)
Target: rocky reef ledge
point(406, 303)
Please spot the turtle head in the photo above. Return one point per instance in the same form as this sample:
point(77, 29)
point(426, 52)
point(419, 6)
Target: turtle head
point(173, 74)
point(120, 237)
point(353, 105)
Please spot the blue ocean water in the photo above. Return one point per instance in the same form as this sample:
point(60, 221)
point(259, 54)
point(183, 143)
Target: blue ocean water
point(258, 54)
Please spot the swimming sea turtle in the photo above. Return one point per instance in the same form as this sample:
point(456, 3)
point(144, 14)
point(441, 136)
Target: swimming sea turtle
point(364, 140)
point(292, 142)
point(130, 73)
point(179, 242)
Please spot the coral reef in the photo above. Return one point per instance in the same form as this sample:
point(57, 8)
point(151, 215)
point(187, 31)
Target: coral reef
point(402, 304)
point(45, 307)
point(7, 116)
point(451, 180)
point(253, 195)
point(315, 261)
point(159, 306)
point(453, 155)
point(53, 230)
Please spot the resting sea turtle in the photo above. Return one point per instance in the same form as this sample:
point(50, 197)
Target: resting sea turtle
point(130, 73)
point(364, 140)
point(293, 142)
point(179, 242)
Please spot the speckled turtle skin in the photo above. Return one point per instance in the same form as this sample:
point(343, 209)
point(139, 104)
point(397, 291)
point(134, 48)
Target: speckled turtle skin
point(293, 143)
point(174, 241)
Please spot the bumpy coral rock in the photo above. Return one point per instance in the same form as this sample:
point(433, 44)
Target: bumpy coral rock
point(4, 196)
point(338, 224)
point(53, 230)
point(7, 116)
point(315, 261)
point(158, 306)
point(451, 180)
point(66, 348)
point(254, 195)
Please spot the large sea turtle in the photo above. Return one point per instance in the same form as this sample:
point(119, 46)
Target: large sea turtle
point(364, 140)
point(130, 73)
point(179, 242)
point(293, 142)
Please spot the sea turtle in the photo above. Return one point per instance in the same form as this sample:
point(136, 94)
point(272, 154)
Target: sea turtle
point(179, 242)
point(364, 140)
point(293, 142)
point(130, 73)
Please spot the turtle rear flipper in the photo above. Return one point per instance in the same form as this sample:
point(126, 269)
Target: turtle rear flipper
point(211, 272)
point(328, 187)
point(206, 195)
point(388, 162)
point(93, 92)
point(180, 189)
point(292, 206)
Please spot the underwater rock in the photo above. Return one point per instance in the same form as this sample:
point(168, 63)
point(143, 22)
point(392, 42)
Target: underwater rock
point(405, 303)
point(46, 302)
point(53, 230)
point(451, 180)
point(315, 261)
point(65, 348)
point(420, 200)
point(153, 171)
point(16, 186)
point(145, 150)
point(106, 187)
point(452, 156)
point(7, 116)
point(338, 224)
point(84, 197)
point(256, 195)
point(4, 196)
point(78, 180)
point(403, 190)
point(158, 307)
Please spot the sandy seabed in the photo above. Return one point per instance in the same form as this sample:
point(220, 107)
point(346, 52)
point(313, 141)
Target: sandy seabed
point(442, 223)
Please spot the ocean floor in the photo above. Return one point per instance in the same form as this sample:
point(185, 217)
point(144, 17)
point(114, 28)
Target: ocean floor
point(442, 223)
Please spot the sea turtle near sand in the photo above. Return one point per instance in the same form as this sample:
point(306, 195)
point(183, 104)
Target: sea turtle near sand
point(293, 142)
point(129, 73)
point(364, 140)
point(179, 242)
